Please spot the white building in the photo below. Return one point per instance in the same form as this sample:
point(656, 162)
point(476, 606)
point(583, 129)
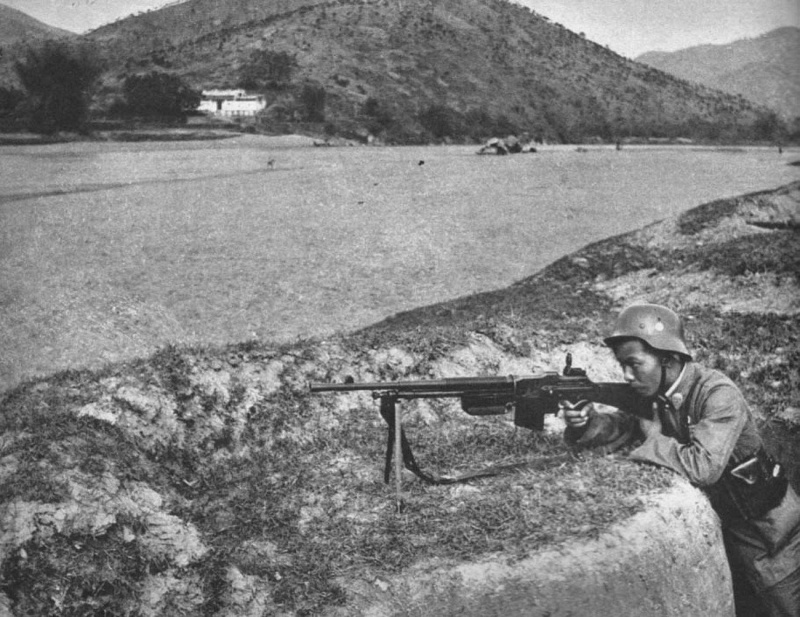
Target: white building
point(231, 103)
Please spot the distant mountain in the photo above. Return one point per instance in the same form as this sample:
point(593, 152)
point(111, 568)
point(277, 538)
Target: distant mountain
point(18, 27)
point(765, 69)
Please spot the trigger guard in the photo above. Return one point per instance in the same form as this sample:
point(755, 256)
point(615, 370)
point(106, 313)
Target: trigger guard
point(579, 405)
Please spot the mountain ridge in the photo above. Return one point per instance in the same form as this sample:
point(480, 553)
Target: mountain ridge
point(17, 26)
point(764, 69)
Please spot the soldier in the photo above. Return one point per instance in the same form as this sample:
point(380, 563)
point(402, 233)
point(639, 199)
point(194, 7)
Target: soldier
point(703, 429)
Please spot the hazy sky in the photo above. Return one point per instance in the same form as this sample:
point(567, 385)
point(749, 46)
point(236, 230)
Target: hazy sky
point(629, 27)
point(82, 15)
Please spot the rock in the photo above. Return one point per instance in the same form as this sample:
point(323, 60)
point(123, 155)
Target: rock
point(790, 415)
point(168, 593)
point(5, 606)
point(247, 595)
point(99, 411)
point(145, 404)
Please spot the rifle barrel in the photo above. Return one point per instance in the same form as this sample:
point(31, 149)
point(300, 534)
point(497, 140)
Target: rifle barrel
point(452, 386)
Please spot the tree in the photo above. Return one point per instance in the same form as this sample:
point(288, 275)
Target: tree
point(159, 95)
point(441, 121)
point(57, 77)
point(312, 98)
point(793, 130)
point(380, 118)
point(9, 99)
point(769, 127)
point(267, 69)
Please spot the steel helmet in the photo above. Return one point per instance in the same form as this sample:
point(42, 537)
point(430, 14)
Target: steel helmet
point(656, 325)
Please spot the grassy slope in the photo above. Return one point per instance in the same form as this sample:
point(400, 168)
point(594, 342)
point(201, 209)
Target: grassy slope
point(210, 480)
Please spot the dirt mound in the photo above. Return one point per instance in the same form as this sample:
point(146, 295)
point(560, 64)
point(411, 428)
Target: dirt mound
point(662, 561)
point(209, 481)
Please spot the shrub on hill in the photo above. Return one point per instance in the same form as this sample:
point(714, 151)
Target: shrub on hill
point(267, 69)
point(157, 95)
point(10, 100)
point(312, 99)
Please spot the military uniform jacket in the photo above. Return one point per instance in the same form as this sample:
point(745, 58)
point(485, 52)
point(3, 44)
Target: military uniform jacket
point(720, 424)
point(721, 433)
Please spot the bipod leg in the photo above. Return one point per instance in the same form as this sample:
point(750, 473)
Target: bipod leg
point(393, 415)
point(398, 455)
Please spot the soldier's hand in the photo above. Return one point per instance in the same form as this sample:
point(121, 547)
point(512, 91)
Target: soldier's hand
point(577, 415)
point(652, 427)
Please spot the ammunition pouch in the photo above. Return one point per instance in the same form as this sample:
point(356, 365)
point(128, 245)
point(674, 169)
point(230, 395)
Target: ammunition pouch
point(750, 489)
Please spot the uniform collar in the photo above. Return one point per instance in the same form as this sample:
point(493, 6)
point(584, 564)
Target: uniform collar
point(677, 391)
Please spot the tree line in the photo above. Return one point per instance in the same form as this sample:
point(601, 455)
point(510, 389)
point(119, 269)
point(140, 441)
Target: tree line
point(60, 90)
point(60, 82)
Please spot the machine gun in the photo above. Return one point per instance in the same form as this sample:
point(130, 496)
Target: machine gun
point(529, 398)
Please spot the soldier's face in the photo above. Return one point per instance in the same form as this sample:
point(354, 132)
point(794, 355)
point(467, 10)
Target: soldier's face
point(641, 368)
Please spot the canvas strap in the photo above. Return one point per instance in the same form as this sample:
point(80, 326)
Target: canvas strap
point(388, 413)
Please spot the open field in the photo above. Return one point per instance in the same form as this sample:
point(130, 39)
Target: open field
point(108, 251)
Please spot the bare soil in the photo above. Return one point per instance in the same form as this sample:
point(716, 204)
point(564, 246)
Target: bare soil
point(208, 481)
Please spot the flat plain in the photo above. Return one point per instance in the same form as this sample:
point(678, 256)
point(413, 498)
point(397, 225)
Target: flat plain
point(109, 251)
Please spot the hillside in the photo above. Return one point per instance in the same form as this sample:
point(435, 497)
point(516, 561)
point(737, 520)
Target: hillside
point(17, 31)
point(763, 69)
point(18, 27)
point(209, 481)
point(416, 70)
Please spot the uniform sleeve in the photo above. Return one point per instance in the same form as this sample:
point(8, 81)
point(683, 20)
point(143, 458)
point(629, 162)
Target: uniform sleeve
point(721, 418)
point(606, 430)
